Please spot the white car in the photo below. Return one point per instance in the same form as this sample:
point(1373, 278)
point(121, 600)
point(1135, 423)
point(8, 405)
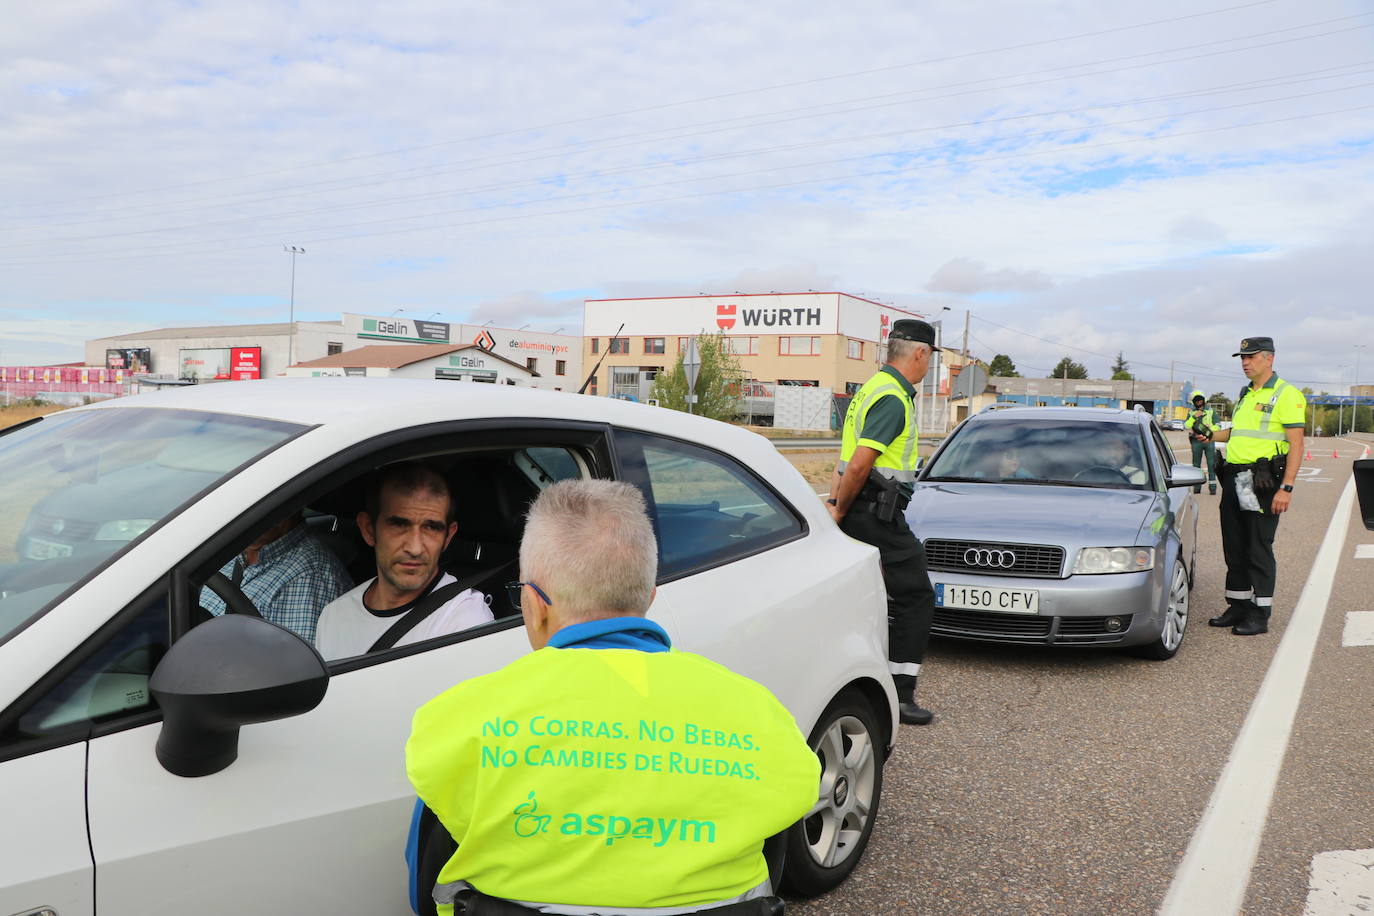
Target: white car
point(111, 675)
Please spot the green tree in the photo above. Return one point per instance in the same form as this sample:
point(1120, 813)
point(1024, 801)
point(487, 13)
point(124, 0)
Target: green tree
point(718, 381)
point(1121, 370)
point(1067, 368)
point(1002, 366)
point(1223, 405)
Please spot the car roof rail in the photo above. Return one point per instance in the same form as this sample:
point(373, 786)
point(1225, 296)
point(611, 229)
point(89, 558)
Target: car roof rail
point(999, 405)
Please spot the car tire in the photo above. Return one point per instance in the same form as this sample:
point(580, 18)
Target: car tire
point(1175, 618)
point(828, 842)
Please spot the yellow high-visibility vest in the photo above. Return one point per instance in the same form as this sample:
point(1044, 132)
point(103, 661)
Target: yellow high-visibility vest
point(611, 777)
point(1257, 428)
point(896, 459)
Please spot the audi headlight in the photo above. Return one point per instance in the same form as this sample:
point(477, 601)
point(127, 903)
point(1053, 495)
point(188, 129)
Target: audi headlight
point(1097, 560)
point(124, 529)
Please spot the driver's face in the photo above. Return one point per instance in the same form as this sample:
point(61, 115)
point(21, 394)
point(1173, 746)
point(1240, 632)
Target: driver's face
point(410, 532)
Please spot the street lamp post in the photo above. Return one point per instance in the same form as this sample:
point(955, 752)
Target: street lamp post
point(1355, 405)
point(291, 320)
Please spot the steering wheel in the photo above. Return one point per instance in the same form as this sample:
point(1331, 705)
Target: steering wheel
point(1115, 472)
point(232, 596)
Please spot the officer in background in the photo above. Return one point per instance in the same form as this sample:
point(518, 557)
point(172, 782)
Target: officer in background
point(871, 486)
point(1257, 485)
point(604, 773)
point(1202, 423)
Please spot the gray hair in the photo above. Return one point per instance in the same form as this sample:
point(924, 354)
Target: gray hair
point(590, 546)
point(900, 348)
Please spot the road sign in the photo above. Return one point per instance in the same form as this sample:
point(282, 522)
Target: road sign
point(691, 365)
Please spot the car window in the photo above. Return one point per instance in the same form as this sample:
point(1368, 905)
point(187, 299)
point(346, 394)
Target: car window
point(1045, 451)
point(111, 682)
point(78, 487)
point(1166, 455)
point(547, 464)
point(707, 508)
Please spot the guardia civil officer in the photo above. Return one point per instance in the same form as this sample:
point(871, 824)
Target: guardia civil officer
point(1257, 485)
point(1202, 423)
point(873, 484)
point(605, 772)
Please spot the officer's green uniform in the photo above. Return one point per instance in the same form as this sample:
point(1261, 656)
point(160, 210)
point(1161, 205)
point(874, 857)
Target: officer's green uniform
point(611, 777)
point(1201, 424)
point(1247, 537)
point(881, 417)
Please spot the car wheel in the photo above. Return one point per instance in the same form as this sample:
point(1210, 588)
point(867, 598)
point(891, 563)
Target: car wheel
point(825, 845)
point(1175, 618)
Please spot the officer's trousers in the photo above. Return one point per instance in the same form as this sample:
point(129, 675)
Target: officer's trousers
point(910, 598)
point(1210, 449)
point(1247, 542)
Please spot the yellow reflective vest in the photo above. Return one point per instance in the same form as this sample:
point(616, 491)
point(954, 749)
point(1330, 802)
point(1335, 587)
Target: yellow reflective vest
point(1257, 428)
point(611, 777)
point(896, 459)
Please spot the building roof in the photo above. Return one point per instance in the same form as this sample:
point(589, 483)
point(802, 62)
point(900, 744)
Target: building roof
point(394, 356)
point(217, 330)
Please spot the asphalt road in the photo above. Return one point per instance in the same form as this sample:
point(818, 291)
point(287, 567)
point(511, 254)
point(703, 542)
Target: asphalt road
point(1072, 781)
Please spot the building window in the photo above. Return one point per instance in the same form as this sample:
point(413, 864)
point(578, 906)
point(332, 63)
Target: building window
point(625, 382)
point(333, 348)
point(852, 388)
point(650, 372)
point(653, 345)
point(800, 382)
point(856, 349)
point(596, 344)
point(591, 387)
point(532, 363)
point(620, 345)
point(560, 367)
point(799, 346)
point(742, 346)
point(682, 344)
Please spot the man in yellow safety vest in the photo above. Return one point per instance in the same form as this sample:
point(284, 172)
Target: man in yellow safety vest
point(1257, 485)
point(1202, 423)
point(604, 773)
point(873, 483)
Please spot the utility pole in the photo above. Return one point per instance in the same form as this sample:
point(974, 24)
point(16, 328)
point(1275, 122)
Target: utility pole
point(1171, 391)
point(291, 320)
point(1355, 405)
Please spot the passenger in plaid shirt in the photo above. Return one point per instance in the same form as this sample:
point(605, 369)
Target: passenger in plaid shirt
point(288, 575)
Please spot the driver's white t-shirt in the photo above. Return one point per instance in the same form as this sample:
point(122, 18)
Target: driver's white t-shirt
point(347, 627)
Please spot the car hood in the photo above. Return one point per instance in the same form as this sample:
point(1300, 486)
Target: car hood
point(1032, 514)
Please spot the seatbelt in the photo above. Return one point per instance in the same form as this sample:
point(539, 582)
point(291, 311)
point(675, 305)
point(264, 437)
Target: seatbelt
point(426, 606)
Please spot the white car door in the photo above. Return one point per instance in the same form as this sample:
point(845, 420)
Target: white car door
point(311, 817)
point(45, 861)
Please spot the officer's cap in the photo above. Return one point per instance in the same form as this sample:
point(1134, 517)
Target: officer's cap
point(1252, 345)
point(912, 329)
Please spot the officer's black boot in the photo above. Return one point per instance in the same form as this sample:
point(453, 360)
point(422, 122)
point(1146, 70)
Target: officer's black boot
point(1197, 489)
point(1235, 614)
point(1211, 488)
point(910, 713)
point(1255, 623)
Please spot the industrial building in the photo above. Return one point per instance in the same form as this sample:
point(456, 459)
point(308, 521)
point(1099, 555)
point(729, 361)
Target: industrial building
point(451, 362)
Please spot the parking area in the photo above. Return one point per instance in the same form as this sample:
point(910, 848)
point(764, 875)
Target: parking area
point(1073, 781)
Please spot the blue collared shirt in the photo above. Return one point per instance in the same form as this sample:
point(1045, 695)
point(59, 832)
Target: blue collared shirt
point(294, 578)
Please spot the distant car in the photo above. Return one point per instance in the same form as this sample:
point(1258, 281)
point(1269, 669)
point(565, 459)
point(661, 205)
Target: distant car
point(1059, 527)
point(1175, 424)
point(291, 795)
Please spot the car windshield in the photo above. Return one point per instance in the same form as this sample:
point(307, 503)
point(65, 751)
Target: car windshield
point(1080, 453)
point(77, 487)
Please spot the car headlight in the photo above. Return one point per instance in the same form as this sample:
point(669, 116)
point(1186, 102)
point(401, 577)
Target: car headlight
point(1096, 560)
point(124, 529)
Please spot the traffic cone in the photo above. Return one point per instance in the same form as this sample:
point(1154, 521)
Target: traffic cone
point(1308, 456)
point(1333, 454)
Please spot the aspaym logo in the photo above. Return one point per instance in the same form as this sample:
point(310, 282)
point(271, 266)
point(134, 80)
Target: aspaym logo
point(725, 317)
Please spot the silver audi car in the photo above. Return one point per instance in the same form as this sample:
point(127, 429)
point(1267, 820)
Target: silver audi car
point(1059, 526)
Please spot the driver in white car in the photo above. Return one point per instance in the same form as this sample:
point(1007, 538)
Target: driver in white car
point(408, 522)
point(1117, 454)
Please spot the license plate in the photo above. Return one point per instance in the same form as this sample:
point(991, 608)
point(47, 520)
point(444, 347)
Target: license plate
point(978, 598)
point(40, 549)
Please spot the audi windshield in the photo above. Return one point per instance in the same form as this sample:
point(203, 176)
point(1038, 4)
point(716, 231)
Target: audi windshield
point(76, 488)
point(1042, 451)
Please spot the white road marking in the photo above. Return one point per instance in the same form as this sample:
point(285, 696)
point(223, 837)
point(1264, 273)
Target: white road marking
point(1215, 871)
point(1364, 551)
point(1341, 883)
point(1359, 629)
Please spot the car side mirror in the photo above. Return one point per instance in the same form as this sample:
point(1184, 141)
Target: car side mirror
point(1185, 475)
point(1364, 485)
point(229, 672)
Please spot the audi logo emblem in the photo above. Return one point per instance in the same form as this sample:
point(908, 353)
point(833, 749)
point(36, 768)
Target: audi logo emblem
point(991, 559)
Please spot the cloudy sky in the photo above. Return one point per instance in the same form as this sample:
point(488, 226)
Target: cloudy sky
point(1082, 178)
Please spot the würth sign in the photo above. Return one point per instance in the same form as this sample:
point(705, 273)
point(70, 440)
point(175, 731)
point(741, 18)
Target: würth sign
point(767, 318)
